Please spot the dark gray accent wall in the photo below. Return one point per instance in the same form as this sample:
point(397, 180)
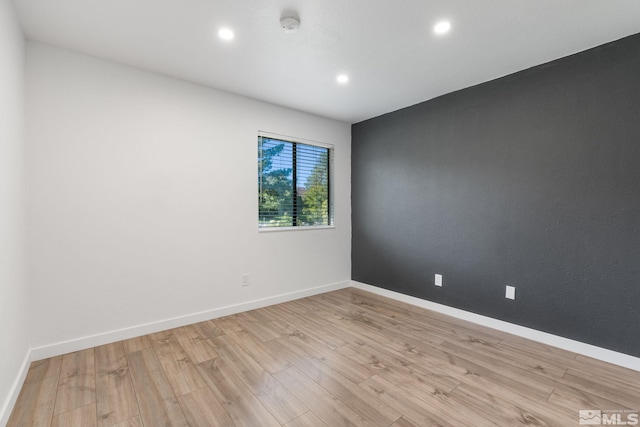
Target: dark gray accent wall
point(531, 180)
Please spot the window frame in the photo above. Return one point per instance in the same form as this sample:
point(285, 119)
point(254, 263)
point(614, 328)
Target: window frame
point(330, 182)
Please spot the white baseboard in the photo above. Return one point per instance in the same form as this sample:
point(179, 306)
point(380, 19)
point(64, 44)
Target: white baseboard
point(589, 350)
point(10, 401)
point(126, 333)
point(175, 322)
point(82, 343)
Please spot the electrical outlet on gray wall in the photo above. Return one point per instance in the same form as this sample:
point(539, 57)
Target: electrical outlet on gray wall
point(438, 281)
point(510, 292)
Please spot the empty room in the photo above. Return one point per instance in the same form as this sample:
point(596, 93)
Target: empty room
point(320, 213)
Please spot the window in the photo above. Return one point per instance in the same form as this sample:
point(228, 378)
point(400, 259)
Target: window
point(294, 183)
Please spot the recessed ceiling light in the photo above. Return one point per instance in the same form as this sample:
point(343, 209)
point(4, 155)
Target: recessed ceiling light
point(442, 27)
point(342, 78)
point(225, 34)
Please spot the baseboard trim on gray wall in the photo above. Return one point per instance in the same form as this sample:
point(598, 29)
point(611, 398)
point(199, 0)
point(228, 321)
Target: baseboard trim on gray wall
point(57, 349)
point(589, 350)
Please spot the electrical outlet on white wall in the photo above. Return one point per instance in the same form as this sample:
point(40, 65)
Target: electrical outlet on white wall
point(510, 293)
point(245, 280)
point(438, 281)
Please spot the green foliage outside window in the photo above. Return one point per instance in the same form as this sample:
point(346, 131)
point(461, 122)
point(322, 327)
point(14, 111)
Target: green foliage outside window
point(294, 184)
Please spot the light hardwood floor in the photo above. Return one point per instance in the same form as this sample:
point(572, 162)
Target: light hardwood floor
point(345, 358)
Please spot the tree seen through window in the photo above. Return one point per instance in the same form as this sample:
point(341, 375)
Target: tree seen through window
point(294, 184)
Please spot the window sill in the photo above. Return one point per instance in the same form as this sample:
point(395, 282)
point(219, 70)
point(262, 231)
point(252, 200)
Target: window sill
point(302, 228)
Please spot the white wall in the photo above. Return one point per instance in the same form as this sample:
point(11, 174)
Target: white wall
point(143, 198)
point(13, 284)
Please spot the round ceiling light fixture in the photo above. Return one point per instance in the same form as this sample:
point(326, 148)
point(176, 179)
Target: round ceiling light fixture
point(290, 24)
point(342, 78)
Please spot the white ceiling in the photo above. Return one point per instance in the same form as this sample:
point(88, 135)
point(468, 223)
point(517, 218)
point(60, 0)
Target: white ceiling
point(387, 47)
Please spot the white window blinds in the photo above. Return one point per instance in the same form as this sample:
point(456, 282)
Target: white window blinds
point(294, 184)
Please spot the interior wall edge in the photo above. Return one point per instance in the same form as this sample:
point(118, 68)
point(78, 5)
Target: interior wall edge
point(14, 392)
point(83, 343)
point(584, 349)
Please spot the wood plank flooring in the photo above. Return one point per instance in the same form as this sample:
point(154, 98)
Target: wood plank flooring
point(344, 358)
